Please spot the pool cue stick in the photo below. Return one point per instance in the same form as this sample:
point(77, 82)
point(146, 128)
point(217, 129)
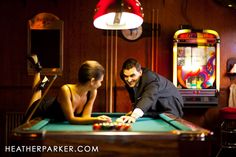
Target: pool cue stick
point(40, 100)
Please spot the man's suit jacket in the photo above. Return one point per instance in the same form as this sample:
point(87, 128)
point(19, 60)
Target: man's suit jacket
point(155, 94)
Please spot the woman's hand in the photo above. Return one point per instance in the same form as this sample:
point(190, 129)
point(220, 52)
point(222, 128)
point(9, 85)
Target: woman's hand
point(103, 118)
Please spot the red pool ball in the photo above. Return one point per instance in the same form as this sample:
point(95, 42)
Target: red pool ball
point(126, 127)
point(119, 126)
point(97, 126)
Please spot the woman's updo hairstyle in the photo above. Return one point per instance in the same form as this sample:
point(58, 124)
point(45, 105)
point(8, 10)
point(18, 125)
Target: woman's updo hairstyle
point(90, 69)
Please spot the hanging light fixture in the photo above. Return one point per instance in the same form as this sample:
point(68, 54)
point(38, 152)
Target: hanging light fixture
point(118, 14)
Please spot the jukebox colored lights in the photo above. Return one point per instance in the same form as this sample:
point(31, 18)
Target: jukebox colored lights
point(200, 38)
point(207, 35)
point(118, 14)
point(184, 35)
point(196, 35)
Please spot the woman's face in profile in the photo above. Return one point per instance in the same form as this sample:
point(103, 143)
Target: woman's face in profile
point(98, 83)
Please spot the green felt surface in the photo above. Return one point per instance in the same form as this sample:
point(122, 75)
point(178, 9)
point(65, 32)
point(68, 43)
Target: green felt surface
point(145, 124)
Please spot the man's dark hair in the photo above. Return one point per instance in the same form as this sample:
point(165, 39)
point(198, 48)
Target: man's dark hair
point(130, 63)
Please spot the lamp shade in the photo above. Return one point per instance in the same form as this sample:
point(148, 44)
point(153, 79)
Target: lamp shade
point(118, 14)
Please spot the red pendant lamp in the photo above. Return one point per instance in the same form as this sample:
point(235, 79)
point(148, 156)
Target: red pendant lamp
point(118, 14)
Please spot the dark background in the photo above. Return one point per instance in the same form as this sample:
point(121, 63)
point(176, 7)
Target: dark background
point(82, 42)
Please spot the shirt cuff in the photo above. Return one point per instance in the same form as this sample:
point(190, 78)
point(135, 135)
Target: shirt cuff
point(137, 113)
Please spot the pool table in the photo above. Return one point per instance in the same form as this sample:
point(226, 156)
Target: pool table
point(162, 136)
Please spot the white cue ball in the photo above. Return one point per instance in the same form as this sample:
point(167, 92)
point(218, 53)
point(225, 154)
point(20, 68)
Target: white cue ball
point(119, 120)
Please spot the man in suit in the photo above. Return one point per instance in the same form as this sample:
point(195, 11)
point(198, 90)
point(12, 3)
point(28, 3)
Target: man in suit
point(150, 93)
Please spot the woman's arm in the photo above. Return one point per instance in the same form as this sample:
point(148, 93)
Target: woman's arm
point(89, 105)
point(64, 98)
point(89, 108)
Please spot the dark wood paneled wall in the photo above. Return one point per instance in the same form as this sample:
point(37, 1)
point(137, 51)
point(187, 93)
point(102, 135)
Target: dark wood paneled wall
point(82, 41)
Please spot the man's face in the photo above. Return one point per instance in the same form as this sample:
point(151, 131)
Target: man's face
point(131, 76)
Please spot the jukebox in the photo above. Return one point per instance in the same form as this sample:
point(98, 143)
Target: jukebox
point(196, 66)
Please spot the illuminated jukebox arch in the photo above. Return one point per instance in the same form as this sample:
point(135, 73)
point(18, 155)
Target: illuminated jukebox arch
point(196, 66)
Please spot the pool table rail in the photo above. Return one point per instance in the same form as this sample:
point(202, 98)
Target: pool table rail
point(184, 129)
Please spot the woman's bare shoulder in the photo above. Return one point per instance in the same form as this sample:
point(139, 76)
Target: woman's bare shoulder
point(67, 86)
point(64, 89)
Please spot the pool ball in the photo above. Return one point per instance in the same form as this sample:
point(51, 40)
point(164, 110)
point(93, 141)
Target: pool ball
point(126, 127)
point(119, 120)
point(111, 126)
point(97, 126)
point(118, 126)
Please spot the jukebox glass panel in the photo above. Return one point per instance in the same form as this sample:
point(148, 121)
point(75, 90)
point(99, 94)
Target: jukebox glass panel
point(196, 67)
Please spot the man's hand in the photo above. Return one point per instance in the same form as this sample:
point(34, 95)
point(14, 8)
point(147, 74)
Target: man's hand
point(129, 113)
point(128, 119)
